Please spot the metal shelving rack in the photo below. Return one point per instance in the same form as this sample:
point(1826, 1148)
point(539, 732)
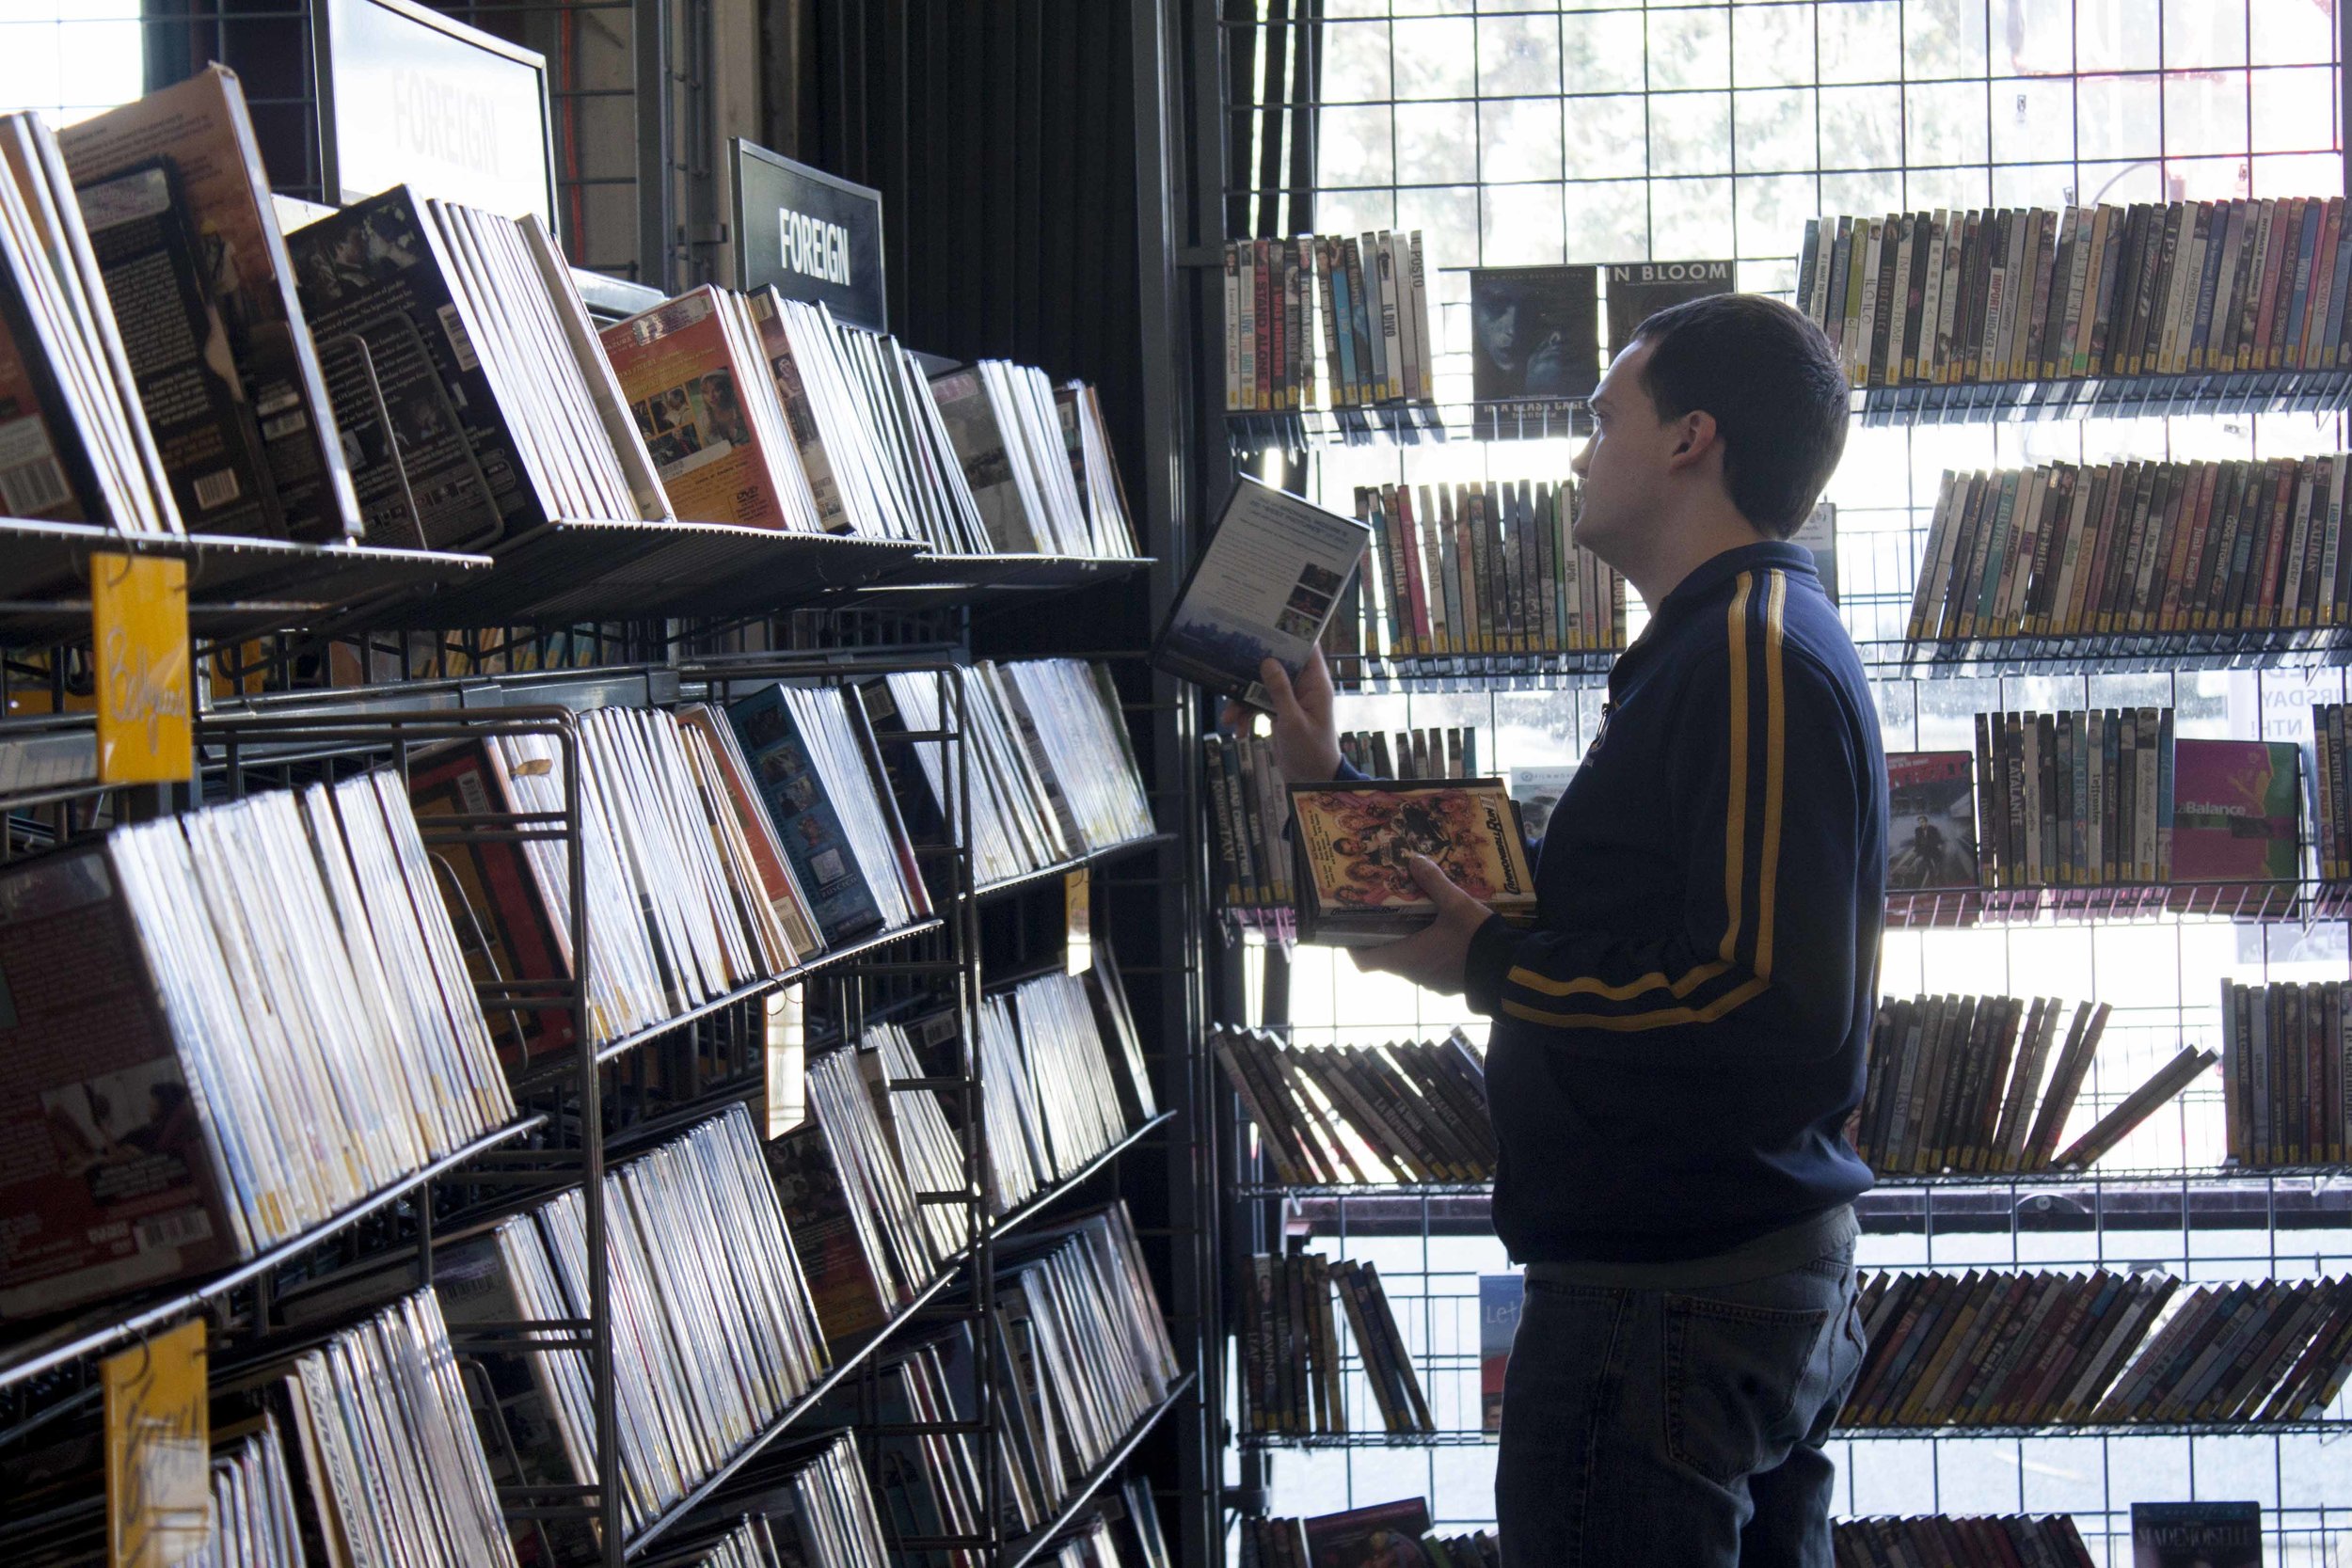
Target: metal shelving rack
point(1261, 99)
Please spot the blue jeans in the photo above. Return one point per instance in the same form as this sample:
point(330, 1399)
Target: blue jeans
point(1678, 1428)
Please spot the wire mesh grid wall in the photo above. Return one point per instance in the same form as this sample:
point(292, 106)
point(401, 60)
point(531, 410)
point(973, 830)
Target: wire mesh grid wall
point(1529, 132)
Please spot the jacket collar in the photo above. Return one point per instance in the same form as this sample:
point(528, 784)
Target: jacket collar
point(1696, 591)
point(1704, 580)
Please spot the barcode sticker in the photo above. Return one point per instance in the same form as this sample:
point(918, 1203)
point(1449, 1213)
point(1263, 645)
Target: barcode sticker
point(454, 326)
point(30, 480)
point(32, 488)
point(216, 489)
point(181, 1228)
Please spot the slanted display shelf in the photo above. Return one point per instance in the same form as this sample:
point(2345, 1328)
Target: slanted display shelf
point(1462, 1438)
point(2114, 397)
point(120, 1324)
point(929, 579)
point(236, 586)
point(2121, 653)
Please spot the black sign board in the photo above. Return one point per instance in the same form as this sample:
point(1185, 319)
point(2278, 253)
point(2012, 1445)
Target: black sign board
point(812, 234)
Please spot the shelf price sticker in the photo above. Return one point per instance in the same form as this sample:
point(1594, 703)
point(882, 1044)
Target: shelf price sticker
point(158, 1450)
point(785, 1018)
point(1077, 904)
point(139, 637)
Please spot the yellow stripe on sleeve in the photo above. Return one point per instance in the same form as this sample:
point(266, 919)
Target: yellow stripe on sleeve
point(1775, 756)
point(1586, 984)
point(1736, 823)
point(1665, 1018)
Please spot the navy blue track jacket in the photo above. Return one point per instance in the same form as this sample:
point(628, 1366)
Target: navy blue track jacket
point(1679, 1042)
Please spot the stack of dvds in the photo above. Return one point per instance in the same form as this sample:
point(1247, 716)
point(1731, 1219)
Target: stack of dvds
point(2187, 287)
point(227, 1027)
point(2098, 798)
point(877, 458)
point(1982, 1084)
point(1346, 1115)
point(511, 416)
point(2287, 1073)
point(181, 228)
point(1369, 296)
point(2135, 548)
point(805, 1505)
point(925, 1483)
point(679, 908)
point(1390, 1532)
point(1059, 1092)
point(2331, 786)
point(921, 1134)
point(1036, 461)
point(80, 449)
point(1988, 1539)
point(707, 405)
point(1484, 568)
point(820, 777)
point(714, 1330)
point(1998, 1348)
point(1083, 1353)
point(254, 1522)
point(389, 1458)
point(1291, 1357)
point(1054, 777)
point(867, 1244)
point(1480, 1548)
point(1433, 753)
point(1251, 809)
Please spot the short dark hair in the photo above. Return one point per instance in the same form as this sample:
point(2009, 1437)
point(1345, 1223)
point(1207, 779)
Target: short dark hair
point(1774, 385)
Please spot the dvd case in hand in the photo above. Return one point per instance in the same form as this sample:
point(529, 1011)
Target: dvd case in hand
point(1350, 843)
point(227, 1027)
point(180, 220)
point(1265, 588)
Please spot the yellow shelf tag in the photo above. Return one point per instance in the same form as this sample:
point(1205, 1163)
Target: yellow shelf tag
point(158, 1450)
point(139, 625)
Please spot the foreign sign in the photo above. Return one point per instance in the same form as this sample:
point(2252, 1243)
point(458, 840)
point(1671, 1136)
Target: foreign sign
point(810, 234)
point(407, 96)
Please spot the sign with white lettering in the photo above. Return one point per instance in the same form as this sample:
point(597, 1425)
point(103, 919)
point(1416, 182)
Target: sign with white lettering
point(407, 96)
point(809, 233)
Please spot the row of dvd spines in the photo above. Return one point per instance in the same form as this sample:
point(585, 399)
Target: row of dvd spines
point(728, 846)
point(716, 1275)
point(512, 409)
point(719, 850)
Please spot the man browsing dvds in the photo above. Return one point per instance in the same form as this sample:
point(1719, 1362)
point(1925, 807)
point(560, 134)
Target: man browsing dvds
point(1678, 1041)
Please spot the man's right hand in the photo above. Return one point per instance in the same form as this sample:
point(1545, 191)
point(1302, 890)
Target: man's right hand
point(1306, 736)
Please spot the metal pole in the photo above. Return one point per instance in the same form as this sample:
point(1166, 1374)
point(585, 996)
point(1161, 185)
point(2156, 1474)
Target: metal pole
point(657, 224)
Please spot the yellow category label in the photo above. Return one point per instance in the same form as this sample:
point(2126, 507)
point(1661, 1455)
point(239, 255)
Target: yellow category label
point(140, 636)
point(158, 1450)
point(1077, 907)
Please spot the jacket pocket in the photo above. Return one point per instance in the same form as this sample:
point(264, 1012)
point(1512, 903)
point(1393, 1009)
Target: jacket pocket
point(1733, 1373)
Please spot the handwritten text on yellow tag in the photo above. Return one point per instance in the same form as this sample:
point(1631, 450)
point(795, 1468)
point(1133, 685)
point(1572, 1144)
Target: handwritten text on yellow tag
point(139, 613)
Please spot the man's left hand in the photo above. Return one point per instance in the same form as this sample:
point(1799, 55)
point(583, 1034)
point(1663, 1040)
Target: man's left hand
point(1437, 956)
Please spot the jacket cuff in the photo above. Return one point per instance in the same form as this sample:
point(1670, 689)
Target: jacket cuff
point(1349, 773)
point(1491, 949)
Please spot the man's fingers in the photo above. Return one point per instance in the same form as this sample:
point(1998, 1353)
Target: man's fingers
point(1276, 681)
point(1390, 958)
point(1435, 883)
point(1315, 677)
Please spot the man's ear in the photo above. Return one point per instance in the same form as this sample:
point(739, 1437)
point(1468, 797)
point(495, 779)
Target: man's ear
point(1695, 436)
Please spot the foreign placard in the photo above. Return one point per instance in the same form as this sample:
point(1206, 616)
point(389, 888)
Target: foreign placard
point(811, 234)
point(407, 96)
